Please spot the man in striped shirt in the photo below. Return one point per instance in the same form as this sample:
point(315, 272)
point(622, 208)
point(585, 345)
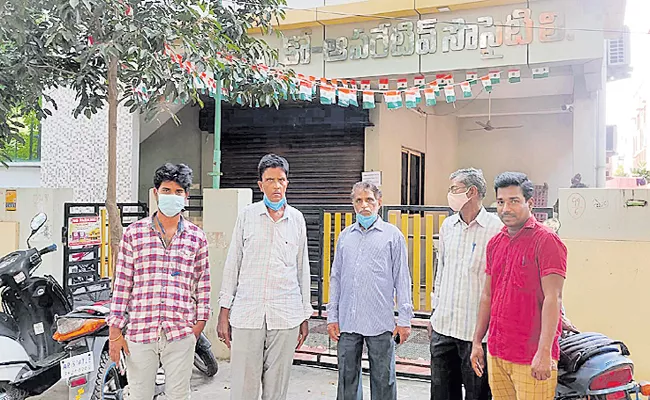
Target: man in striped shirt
point(265, 295)
point(162, 278)
point(460, 276)
point(370, 269)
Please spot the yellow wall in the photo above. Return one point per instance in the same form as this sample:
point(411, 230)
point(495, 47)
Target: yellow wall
point(607, 291)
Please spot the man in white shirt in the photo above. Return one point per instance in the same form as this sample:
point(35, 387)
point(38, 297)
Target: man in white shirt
point(460, 277)
point(265, 296)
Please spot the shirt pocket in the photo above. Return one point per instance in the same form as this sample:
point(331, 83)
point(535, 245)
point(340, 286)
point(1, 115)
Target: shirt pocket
point(381, 262)
point(288, 248)
point(182, 268)
point(524, 273)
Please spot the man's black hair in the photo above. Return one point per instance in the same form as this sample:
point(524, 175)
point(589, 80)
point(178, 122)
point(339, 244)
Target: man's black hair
point(181, 174)
point(519, 179)
point(272, 161)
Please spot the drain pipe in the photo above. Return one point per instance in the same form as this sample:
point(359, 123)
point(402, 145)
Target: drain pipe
point(601, 130)
point(216, 156)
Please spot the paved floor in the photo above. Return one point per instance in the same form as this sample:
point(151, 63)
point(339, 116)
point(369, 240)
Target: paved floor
point(306, 383)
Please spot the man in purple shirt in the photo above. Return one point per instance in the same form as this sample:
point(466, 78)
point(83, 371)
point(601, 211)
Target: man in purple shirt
point(370, 267)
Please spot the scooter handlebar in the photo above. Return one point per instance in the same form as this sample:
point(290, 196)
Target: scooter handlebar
point(49, 249)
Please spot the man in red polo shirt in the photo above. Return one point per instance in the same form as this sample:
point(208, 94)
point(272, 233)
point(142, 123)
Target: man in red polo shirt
point(522, 299)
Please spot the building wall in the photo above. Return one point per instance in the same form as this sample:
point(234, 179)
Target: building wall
point(542, 148)
point(448, 146)
point(171, 143)
point(393, 130)
point(434, 136)
point(21, 175)
point(330, 12)
point(29, 202)
point(331, 23)
point(441, 158)
point(74, 151)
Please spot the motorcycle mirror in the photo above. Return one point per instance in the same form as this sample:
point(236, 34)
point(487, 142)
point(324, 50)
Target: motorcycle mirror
point(37, 223)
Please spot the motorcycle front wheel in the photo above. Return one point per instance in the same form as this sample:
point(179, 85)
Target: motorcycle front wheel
point(205, 362)
point(9, 392)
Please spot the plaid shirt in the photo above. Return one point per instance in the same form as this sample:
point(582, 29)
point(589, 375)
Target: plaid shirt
point(266, 276)
point(160, 287)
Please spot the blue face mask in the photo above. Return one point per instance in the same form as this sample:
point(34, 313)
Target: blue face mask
point(366, 221)
point(170, 204)
point(274, 205)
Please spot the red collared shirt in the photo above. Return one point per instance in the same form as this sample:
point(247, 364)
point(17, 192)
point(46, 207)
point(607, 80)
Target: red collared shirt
point(161, 287)
point(516, 265)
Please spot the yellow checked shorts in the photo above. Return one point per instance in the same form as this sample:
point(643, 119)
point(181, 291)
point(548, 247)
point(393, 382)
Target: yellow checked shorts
point(509, 381)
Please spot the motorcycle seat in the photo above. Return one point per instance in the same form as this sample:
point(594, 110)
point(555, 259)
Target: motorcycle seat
point(576, 349)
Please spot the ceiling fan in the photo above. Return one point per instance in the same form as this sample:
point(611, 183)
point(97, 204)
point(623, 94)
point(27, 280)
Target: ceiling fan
point(487, 126)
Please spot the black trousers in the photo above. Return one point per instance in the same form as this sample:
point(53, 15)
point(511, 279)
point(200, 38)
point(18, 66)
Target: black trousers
point(451, 369)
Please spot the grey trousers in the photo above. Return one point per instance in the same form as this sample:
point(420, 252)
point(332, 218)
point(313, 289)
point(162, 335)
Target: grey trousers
point(142, 365)
point(381, 355)
point(261, 357)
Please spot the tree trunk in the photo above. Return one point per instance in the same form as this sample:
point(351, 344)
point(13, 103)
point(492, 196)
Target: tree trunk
point(114, 218)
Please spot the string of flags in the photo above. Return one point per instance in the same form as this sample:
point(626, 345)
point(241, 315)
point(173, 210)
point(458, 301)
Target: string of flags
point(345, 92)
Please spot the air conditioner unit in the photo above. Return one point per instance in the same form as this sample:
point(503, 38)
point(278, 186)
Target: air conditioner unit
point(619, 55)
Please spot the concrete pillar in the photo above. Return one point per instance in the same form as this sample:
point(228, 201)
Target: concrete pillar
point(220, 210)
point(585, 128)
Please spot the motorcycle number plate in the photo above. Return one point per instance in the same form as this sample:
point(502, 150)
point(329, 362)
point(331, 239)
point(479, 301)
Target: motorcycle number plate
point(77, 365)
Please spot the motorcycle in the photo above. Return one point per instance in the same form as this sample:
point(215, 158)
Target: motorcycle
point(593, 366)
point(29, 360)
point(89, 371)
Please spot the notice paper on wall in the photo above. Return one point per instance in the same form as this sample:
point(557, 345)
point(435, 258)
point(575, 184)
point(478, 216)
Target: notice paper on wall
point(10, 200)
point(373, 177)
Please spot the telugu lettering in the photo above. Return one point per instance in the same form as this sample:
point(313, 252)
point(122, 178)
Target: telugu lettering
point(422, 37)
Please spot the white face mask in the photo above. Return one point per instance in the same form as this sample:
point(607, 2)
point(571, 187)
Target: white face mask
point(170, 204)
point(457, 200)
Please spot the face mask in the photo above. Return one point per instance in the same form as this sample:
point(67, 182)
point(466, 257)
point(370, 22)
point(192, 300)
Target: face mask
point(170, 204)
point(274, 205)
point(457, 200)
point(366, 221)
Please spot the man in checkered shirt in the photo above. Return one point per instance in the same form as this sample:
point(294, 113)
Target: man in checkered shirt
point(162, 279)
point(265, 296)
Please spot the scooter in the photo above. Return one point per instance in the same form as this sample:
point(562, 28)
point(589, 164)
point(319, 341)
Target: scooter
point(593, 366)
point(89, 371)
point(29, 359)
